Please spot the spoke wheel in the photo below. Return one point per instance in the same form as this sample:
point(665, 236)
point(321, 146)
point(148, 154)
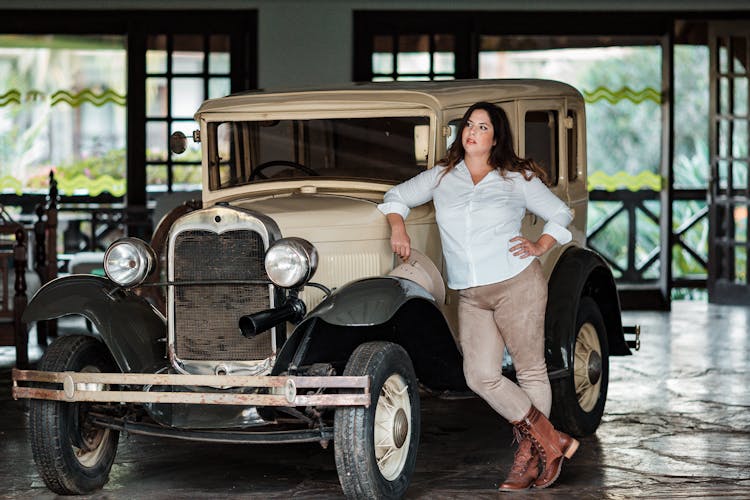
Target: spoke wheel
point(92, 441)
point(376, 447)
point(587, 367)
point(578, 399)
point(392, 430)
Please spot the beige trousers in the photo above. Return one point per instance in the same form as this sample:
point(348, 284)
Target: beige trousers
point(506, 314)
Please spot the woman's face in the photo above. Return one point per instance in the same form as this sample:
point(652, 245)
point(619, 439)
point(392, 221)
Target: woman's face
point(478, 136)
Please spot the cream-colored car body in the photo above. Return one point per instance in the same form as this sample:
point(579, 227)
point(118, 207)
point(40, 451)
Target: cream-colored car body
point(220, 367)
point(339, 216)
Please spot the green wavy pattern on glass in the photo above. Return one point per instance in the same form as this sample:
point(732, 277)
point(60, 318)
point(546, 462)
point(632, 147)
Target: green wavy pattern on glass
point(87, 95)
point(12, 96)
point(81, 184)
point(624, 180)
point(64, 97)
point(35, 95)
point(615, 96)
point(8, 183)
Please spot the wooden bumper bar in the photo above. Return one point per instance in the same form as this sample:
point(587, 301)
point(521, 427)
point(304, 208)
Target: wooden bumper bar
point(93, 387)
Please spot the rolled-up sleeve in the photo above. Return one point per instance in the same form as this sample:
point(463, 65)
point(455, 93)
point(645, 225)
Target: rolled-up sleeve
point(543, 202)
point(412, 193)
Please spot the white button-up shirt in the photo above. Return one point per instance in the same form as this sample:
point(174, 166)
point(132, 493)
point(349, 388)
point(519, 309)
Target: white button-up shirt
point(477, 221)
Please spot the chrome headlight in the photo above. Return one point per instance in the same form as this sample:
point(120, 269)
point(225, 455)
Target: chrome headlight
point(128, 261)
point(291, 262)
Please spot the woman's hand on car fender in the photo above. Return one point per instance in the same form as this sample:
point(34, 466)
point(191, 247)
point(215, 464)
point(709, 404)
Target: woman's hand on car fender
point(401, 244)
point(400, 241)
point(524, 248)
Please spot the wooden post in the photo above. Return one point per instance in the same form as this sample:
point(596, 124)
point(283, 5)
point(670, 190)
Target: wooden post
point(40, 266)
point(51, 242)
point(20, 300)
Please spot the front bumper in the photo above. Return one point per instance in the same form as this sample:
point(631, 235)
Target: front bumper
point(92, 387)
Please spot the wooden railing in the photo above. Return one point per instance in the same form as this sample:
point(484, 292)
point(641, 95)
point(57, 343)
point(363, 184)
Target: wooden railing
point(634, 205)
point(13, 255)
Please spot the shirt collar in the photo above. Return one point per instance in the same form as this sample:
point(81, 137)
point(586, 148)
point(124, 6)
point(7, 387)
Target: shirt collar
point(461, 167)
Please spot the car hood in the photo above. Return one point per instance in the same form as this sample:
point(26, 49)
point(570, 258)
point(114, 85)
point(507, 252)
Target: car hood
point(327, 217)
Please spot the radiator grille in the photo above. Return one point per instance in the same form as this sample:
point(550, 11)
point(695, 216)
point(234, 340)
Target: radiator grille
point(206, 316)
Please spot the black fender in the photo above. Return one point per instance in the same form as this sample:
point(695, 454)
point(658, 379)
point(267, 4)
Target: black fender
point(580, 273)
point(384, 308)
point(133, 330)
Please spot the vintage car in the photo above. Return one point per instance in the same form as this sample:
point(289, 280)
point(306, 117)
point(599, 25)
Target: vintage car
point(274, 311)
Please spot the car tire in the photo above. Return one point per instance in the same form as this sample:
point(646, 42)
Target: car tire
point(579, 397)
point(376, 446)
point(71, 455)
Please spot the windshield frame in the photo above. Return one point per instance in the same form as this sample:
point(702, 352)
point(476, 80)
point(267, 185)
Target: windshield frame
point(209, 123)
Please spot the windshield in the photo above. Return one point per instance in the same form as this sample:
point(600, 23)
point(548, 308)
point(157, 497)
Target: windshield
point(390, 148)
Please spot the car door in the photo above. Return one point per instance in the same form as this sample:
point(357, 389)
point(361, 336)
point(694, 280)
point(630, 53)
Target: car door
point(542, 137)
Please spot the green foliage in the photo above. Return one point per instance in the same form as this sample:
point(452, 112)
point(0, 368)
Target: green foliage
point(626, 136)
point(684, 264)
point(620, 137)
point(18, 144)
point(181, 174)
point(18, 141)
point(691, 171)
point(612, 241)
point(647, 236)
point(111, 163)
point(691, 124)
point(698, 294)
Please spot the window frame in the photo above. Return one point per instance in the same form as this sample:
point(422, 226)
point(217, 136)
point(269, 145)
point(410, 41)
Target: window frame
point(546, 105)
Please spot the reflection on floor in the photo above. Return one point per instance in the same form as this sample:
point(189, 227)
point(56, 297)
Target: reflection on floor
point(677, 425)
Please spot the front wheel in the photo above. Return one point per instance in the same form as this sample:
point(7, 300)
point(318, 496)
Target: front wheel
point(376, 447)
point(579, 398)
point(71, 454)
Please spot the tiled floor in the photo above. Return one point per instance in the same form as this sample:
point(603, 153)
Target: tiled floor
point(677, 425)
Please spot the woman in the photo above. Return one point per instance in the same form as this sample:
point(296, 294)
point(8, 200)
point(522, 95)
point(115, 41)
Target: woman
point(481, 192)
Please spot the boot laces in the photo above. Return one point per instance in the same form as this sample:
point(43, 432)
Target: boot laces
point(523, 456)
point(524, 431)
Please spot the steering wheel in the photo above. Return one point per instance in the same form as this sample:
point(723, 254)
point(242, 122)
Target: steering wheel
point(284, 163)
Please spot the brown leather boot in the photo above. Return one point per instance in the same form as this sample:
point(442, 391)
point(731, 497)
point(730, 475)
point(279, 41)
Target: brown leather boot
point(552, 445)
point(525, 467)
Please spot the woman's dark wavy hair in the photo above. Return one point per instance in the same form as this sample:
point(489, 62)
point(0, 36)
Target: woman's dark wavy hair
point(503, 157)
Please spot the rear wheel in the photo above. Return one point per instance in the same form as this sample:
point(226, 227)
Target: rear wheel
point(71, 454)
point(579, 398)
point(376, 447)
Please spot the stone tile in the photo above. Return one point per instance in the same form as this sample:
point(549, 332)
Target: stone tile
point(676, 425)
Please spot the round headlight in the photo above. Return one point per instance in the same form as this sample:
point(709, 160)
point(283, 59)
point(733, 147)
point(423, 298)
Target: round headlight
point(128, 261)
point(291, 262)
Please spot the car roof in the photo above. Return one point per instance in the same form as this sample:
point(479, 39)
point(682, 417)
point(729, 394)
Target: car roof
point(387, 95)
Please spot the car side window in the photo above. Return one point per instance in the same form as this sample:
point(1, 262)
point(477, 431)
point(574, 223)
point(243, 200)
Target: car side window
point(452, 133)
point(542, 141)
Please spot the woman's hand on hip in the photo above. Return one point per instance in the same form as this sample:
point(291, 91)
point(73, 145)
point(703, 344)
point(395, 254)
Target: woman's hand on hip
point(524, 248)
